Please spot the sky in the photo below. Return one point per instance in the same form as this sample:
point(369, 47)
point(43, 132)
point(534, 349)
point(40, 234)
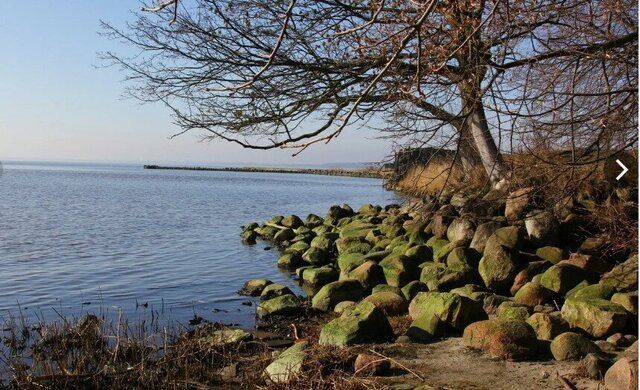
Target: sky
point(58, 104)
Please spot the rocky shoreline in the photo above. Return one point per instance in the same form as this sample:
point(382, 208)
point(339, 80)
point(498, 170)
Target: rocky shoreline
point(514, 283)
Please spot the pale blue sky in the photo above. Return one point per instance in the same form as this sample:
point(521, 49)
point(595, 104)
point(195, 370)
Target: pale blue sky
point(55, 105)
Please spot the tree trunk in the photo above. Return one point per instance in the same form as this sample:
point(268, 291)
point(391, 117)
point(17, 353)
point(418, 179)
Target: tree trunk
point(484, 144)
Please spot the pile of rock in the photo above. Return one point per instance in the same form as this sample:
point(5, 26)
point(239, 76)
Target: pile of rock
point(508, 282)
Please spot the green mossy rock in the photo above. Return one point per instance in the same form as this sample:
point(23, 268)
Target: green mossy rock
point(267, 231)
point(365, 323)
point(561, 278)
point(594, 291)
point(417, 237)
point(472, 291)
point(386, 288)
point(399, 270)
point(532, 294)
point(440, 253)
point(350, 261)
point(551, 254)
point(335, 292)
point(419, 253)
point(369, 274)
point(284, 305)
point(510, 236)
point(292, 221)
point(498, 266)
point(482, 234)
point(297, 248)
point(290, 261)
point(369, 209)
point(548, 326)
point(324, 242)
point(390, 303)
point(336, 212)
point(623, 277)
point(284, 235)
point(426, 328)
point(352, 245)
point(596, 317)
point(460, 257)
point(411, 289)
point(319, 276)
point(274, 290)
point(249, 237)
point(502, 338)
point(512, 311)
point(452, 309)
point(316, 256)
point(288, 364)
point(627, 300)
point(227, 336)
point(254, 287)
point(572, 346)
point(356, 229)
point(313, 221)
point(344, 306)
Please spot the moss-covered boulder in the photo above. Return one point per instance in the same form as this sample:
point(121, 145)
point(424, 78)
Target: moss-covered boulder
point(292, 221)
point(313, 221)
point(369, 274)
point(512, 311)
point(254, 287)
point(399, 270)
point(411, 289)
point(561, 278)
point(482, 234)
point(472, 291)
point(290, 261)
point(572, 346)
point(284, 305)
point(498, 266)
point(439, 246)
point(274, 290)
point(297, 248)
point(347, 245)
point(316, 256)
point(335, 292)
point(284, 235)
point(365, 323)
point(356, 228)
point(596, 317)
point(461, 256)
point(624, 276)
point(532, 294)
point(502, 338)
point(426, 328)
point(390, 303)
point(319, 276)
point(249, 237)
point(452, 309)
point(369, 209)
point(324, 242)
point(509, 236)
point(336, 212)
point(584, 290)
point(548, 325)
point(551, 254)
point(349, 261)
point(627, 300)
point(419, 253)
point(288, 364)
point(386, 288)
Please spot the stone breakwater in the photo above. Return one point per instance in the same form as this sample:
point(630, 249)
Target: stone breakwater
point(366, 173)
point(508, 281)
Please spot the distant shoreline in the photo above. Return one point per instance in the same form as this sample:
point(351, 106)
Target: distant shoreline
point(366, 172)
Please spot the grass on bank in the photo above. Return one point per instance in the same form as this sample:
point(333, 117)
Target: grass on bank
point(93, 352)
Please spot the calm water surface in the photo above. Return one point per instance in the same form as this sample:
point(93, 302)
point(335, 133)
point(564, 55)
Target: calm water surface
point(97, 238)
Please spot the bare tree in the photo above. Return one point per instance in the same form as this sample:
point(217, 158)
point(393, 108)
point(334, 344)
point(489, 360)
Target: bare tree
point(268, 74)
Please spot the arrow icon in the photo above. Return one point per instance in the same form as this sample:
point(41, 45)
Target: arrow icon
point(624, 170)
